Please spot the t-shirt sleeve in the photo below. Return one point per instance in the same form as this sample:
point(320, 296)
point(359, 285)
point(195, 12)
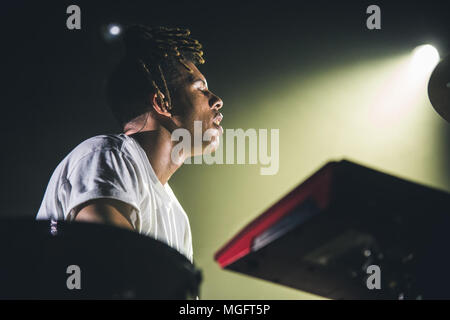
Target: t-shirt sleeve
point(102, 174)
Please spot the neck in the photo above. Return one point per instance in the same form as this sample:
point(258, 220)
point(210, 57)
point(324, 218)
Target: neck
point(158, 146)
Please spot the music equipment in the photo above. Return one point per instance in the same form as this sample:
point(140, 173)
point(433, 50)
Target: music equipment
point(439, 88)
point(324, 236)
point(38, 258)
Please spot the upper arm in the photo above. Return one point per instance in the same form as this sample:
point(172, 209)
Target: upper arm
point(107, 211)
point(104, 187)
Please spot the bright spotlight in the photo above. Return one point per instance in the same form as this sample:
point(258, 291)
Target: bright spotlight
point(425, 58)
point(114, 30)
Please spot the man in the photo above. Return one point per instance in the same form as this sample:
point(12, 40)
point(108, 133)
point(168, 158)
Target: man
point(121, 179)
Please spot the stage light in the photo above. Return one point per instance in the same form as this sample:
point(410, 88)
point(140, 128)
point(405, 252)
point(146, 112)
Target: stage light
point(111, 32)
point(114, 30)
point(425, 58)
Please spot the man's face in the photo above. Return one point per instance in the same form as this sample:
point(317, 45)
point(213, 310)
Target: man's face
point(193, 101)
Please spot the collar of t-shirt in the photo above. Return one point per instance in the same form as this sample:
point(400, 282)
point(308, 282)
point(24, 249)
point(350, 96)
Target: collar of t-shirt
point(162, 190)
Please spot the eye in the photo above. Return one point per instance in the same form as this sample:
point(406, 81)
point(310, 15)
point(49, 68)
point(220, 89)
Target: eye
point(204, 91)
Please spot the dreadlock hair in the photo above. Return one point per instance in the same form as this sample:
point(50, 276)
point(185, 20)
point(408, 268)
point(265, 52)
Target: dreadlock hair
point(153, 56)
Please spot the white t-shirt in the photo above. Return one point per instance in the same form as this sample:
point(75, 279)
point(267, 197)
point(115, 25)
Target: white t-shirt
point(115, 166)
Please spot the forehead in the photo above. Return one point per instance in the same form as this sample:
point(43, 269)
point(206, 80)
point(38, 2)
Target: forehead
point(189, 77)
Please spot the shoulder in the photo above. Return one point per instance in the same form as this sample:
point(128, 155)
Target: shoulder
point(99, 147)
point(102, 151)
point(100, 143)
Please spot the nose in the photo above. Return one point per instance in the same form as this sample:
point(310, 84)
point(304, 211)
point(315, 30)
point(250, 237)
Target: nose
point(216, 102)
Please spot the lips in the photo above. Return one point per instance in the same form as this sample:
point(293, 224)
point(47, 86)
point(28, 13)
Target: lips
point(217, 119)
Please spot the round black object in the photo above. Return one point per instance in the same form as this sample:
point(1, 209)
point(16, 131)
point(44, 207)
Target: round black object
point(61, 260)
point(439, 88)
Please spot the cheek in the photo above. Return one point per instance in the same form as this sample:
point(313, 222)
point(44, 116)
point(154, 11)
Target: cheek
point(200, 111)
point(192, 107)
point(184, 108)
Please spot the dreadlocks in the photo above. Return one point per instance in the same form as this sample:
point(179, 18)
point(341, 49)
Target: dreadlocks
point(150, 66)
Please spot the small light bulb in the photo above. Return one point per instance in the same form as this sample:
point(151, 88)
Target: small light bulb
point(114, 30)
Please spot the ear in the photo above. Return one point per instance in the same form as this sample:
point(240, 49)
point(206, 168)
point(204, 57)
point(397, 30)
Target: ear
point(160, 105)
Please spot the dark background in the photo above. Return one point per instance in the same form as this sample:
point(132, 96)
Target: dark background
point(53, 78)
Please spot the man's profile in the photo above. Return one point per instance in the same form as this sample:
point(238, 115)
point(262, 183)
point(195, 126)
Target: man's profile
point(121, 179)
